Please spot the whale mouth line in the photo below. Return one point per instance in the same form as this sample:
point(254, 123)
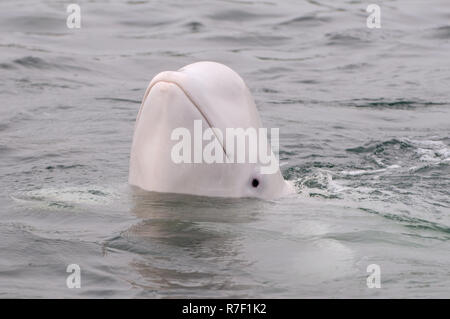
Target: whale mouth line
point(190, 98)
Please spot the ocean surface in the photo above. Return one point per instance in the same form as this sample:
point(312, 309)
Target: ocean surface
point(364, 118)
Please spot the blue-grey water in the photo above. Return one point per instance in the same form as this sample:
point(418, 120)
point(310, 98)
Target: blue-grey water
point(364, 118)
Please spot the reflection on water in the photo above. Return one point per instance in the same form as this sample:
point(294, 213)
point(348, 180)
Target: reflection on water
point(199, 246)
point(189, 243)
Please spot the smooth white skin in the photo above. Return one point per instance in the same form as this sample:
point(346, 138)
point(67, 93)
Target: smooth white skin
point(206, 91)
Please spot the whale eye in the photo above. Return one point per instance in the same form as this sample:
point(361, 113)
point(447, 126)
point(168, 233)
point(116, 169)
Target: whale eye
point(255, 182)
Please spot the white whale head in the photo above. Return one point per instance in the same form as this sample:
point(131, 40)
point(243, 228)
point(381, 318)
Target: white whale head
point(215, 97)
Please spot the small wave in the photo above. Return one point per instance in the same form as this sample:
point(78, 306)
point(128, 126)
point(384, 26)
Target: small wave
point(348, 37)
point(117, 99)
point(237, 15)
point(404, 152)
point(60, 166)
point(147, 23)
point(367, 172)
point(411, 222)
point(319, 183)
point(441, 32)
point(306, 20)
point(380, 147)
point(194, 26)
point(255, 39)
point(7, 66)
point(66, 198)
point(360, 37)
point(394, 104)
point(430, 150)
point(32, 62)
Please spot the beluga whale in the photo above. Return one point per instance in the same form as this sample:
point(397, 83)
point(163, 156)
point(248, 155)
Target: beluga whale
point(182, 141)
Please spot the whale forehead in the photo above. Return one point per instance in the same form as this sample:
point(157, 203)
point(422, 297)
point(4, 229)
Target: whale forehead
point(218, 91)
point(215, 75)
